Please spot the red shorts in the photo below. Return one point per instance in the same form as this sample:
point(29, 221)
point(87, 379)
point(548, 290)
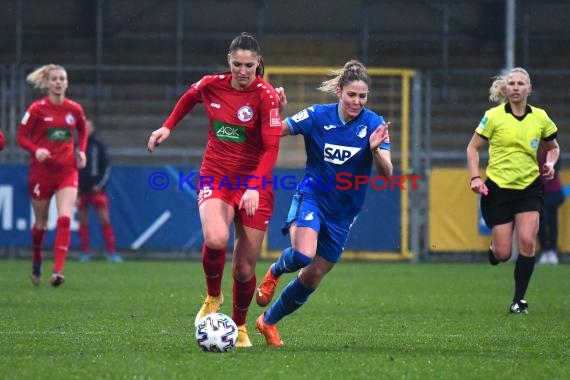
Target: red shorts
point(41, 185)
point(98, 199)
point(259, 221)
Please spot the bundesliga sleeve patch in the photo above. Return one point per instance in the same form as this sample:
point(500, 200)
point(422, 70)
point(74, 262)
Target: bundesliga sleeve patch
point(274, 118)
point(26, 118)
point(483, 122)
point(302, 115)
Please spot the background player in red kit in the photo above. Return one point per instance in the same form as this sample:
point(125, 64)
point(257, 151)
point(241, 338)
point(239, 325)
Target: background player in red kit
point(92, 181)
point(1, 140)
point(46, 131)
point(243, 139)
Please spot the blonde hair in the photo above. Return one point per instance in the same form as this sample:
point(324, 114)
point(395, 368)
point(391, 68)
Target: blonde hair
point(352, 71)
point(498, 89)
point(40, 76)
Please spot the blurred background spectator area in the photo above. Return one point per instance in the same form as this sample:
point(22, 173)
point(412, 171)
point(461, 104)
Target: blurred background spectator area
point(128, 61)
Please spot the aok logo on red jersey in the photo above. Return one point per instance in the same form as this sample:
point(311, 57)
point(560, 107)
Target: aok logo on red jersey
point(228, 132)
point(59, 134)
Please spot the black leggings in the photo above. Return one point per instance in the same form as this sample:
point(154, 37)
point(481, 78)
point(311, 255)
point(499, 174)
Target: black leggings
point(548, 230)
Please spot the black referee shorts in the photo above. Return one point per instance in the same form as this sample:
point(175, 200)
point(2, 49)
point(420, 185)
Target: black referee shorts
point(500, 205)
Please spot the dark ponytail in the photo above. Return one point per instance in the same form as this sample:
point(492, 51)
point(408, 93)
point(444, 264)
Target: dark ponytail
point(246, 41)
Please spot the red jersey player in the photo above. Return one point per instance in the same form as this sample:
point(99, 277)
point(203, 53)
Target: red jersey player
point(46, 131)
point(1, 140)
point(243, 140)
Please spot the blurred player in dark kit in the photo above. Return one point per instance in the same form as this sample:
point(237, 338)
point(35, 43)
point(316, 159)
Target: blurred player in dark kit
point(92, 181)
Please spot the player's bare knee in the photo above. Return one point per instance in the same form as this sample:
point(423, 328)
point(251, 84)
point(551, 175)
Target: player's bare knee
point(527, 246)
point(502, 254)
point(216, 240)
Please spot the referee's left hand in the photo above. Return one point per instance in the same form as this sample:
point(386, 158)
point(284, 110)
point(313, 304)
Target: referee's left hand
point(548, 170)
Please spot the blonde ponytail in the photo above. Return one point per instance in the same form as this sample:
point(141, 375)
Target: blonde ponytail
point(352, 71)
point(498, 89)
point(40, 76)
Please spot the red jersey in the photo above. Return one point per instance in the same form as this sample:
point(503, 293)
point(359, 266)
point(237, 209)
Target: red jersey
point(244, 128)
point(1, 140)
point(50, 126)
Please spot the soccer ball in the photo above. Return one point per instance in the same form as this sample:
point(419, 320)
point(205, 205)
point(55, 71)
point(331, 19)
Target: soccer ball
point(216, 332)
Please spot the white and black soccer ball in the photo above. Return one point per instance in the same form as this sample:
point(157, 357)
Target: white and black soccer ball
point(216, 332)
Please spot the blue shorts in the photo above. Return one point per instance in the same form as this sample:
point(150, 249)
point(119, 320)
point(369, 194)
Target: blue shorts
point(332, 232)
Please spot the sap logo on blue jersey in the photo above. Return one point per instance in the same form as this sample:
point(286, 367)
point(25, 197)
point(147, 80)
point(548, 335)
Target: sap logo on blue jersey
point(339, 154)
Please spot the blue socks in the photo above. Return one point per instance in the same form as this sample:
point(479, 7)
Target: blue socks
point(291, 298)
point(295, 293)
point(290, 261)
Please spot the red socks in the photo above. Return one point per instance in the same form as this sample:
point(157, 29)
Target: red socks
point(213, 261)
point(38, 237)
point(61, 245)
point(108, 237)
point(243, 294)
point(84, 238)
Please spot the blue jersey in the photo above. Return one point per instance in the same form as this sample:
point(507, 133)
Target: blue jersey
point(335, 149)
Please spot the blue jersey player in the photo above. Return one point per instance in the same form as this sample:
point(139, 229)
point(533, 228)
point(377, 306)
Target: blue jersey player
point(341, 139)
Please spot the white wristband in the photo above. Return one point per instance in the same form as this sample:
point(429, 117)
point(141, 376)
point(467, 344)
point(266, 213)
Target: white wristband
point(550, 164)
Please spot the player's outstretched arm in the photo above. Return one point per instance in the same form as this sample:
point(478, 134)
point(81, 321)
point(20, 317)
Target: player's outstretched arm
point(382, 157)
point(280, 91)
point(285, 130)
point(157, 137)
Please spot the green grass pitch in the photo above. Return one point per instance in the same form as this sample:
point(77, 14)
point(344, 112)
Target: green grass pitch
point(366, 321)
